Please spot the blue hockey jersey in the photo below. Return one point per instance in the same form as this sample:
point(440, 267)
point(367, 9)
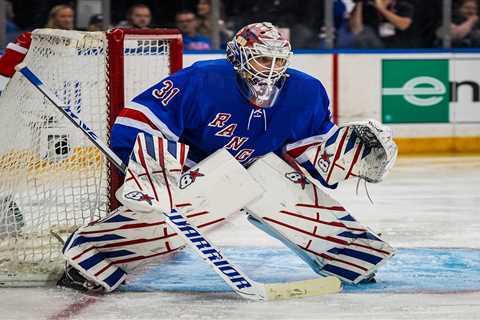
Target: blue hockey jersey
point(203, 107)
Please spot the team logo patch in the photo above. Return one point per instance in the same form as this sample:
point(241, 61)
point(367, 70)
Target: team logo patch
point(189, 178)
point(296, 177)
point(324, 161)
point(139, 196)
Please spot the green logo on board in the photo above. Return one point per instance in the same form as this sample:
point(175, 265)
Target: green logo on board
point(415, 91)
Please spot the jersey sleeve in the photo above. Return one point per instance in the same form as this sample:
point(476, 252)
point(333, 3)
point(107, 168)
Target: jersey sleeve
point(317, 131)
point(14, 54)
point(322, 123)
point(162, 110)
point(318, 127)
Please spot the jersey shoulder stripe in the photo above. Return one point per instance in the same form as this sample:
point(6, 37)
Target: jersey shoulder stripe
point(141, 113)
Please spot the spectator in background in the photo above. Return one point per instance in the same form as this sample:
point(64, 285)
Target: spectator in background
point(188, 23)
point(95, 23)
point(465, 25)
point(382, 23)
point(12, 31)
point(303, 19)
point(61, 17)
point(139, 16)
point(204, 13)
point(427, 20)
point(343, 36)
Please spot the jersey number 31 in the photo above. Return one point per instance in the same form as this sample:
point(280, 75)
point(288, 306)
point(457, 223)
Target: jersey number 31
point(166, 93)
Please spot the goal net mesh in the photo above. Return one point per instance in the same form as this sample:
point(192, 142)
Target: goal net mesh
point(52, 178)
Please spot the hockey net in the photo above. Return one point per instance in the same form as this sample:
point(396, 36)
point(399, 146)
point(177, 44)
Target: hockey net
point(52, 179)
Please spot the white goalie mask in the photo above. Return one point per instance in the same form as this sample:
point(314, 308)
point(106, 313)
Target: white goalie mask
point(260, 55)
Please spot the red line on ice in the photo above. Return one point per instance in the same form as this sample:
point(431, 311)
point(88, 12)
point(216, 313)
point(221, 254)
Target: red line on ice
point(74, 308)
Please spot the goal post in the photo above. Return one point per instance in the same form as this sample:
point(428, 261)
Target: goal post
point(52, 179)
point(137, 46)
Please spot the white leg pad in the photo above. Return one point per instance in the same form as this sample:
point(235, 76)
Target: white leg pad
point(105, 251)
point(315, 222)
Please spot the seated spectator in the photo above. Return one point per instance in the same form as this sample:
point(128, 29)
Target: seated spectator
point(204, 12)
point(465, 25)
point(343, 36)
point(12, 30)
point(139, 16)
point(304, 19)
point(382, 24)
point(428, 17)
point(95, 23)
point(187, 22)
point(61, 17)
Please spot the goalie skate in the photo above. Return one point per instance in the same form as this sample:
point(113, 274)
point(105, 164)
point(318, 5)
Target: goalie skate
point(72, 279)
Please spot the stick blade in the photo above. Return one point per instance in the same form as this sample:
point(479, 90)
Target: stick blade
point(304, 288)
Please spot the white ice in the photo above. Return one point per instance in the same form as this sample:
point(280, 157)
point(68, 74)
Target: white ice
point(431, 202)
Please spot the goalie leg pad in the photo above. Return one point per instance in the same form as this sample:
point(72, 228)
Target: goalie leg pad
point(218, 184)
point(127, 239)
point(105, 251)
point(315, 223)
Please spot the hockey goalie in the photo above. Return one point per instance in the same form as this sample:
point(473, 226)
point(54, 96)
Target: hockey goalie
point(245, 134)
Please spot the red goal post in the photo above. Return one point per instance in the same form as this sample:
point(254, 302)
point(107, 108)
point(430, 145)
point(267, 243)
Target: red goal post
point(116, 39)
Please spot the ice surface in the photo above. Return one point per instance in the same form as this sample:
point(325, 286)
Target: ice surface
point(429, 208)
point(412, 270)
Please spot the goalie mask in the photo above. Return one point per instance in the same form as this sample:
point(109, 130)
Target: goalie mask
point(260, 55)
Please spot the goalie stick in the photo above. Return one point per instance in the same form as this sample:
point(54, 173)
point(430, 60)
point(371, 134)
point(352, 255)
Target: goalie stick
point(231, 274)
